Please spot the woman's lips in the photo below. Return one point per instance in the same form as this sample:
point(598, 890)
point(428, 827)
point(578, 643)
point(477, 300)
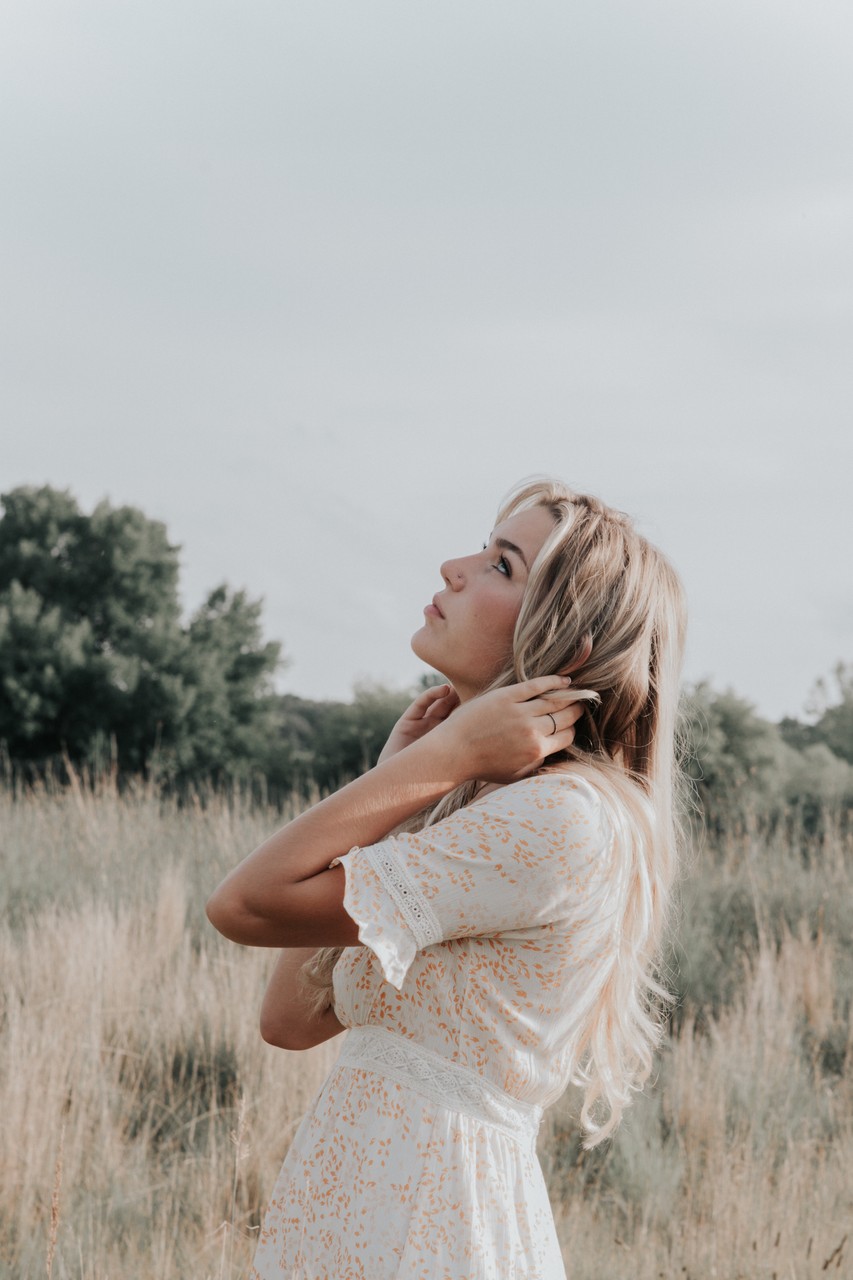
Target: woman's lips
point(433, 610)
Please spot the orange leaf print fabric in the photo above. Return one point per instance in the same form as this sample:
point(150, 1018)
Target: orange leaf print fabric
point(484, 941)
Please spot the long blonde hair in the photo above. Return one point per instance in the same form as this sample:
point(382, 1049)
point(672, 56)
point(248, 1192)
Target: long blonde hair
point(605, 606)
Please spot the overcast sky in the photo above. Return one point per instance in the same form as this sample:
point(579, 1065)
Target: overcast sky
point(315, 283)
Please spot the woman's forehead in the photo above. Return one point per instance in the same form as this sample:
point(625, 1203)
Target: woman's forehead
point(527, 529)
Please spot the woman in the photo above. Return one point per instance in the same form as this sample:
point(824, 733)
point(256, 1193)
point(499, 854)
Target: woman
point(503, 944)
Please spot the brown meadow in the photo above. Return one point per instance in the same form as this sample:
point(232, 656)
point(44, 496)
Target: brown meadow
point(144, 1120)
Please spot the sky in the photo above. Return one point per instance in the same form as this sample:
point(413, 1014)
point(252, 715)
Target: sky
point(316, 284)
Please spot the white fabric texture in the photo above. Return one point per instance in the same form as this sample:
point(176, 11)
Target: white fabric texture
point(484, 940)
point(438, 1078)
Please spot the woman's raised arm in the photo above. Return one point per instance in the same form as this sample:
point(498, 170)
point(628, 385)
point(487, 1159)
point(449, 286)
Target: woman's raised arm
point(275, 898)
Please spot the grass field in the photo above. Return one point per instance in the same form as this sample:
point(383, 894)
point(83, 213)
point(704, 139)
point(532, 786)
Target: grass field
point(144, 1120)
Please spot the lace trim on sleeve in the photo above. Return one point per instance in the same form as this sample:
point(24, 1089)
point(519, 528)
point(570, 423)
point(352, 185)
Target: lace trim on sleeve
point(405, 894)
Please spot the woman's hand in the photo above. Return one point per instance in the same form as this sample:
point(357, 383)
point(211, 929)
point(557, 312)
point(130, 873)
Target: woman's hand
point(429, 709)
point(507, 734)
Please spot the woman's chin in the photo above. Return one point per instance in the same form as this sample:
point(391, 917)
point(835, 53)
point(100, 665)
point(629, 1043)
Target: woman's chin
point(422, 649)
point(421, 646)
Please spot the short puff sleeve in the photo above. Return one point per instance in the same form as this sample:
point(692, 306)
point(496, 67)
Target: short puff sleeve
point(523, 856)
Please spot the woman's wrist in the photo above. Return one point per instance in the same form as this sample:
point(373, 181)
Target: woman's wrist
point(439, 757)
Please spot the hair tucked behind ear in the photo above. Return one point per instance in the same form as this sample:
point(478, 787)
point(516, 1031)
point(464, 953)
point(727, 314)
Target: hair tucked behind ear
point(605, 606)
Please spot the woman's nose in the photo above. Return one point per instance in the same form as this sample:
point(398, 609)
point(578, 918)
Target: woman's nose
point(452, 573)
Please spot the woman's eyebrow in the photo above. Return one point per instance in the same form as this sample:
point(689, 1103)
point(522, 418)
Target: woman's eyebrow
point(510, 546)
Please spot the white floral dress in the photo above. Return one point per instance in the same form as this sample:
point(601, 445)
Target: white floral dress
point(486, 940)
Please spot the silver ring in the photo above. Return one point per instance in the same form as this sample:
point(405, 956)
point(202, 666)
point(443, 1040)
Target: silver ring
point(553, 722)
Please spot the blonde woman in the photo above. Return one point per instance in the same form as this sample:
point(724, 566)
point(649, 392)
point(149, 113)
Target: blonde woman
point(481, 911)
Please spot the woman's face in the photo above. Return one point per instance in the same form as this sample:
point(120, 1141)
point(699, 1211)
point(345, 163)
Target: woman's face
point(468, 628)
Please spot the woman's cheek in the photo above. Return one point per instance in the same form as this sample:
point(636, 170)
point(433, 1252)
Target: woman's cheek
point(497, 634)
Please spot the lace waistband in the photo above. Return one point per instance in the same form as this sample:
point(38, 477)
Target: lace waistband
point(447, 1083)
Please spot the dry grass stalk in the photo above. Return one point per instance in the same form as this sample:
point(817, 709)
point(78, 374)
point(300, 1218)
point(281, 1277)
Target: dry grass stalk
point(145, 1067)
point(54, 1206)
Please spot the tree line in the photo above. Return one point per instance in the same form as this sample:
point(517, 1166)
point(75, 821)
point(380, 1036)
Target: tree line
point(97, 669)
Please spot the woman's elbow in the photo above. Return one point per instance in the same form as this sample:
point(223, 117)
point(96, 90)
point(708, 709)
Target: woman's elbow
point(277, 1033)
point(226, 915)
point(271, 1034)
point(284, 1029)
point(215, 911)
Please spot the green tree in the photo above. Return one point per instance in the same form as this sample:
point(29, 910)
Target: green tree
point(92, 646)
point(743, 766)
point(834, 725)
point(325, 744)
point(735, 757)
point(228, 671)
point(45, 663)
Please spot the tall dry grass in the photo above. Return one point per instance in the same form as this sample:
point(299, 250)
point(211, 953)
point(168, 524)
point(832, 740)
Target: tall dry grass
point(144, 1120)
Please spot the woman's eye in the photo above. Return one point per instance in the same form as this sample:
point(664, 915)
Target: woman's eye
point(503, 565)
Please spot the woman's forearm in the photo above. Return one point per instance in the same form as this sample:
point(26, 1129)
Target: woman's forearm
point(287, 1019)
point(500, 736)
point(360, 813)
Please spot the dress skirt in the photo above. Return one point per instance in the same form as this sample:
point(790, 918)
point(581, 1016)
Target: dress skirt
point(408, 1166)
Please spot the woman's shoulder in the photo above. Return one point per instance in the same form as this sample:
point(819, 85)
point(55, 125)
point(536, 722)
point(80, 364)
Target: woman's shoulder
point(565, 792)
